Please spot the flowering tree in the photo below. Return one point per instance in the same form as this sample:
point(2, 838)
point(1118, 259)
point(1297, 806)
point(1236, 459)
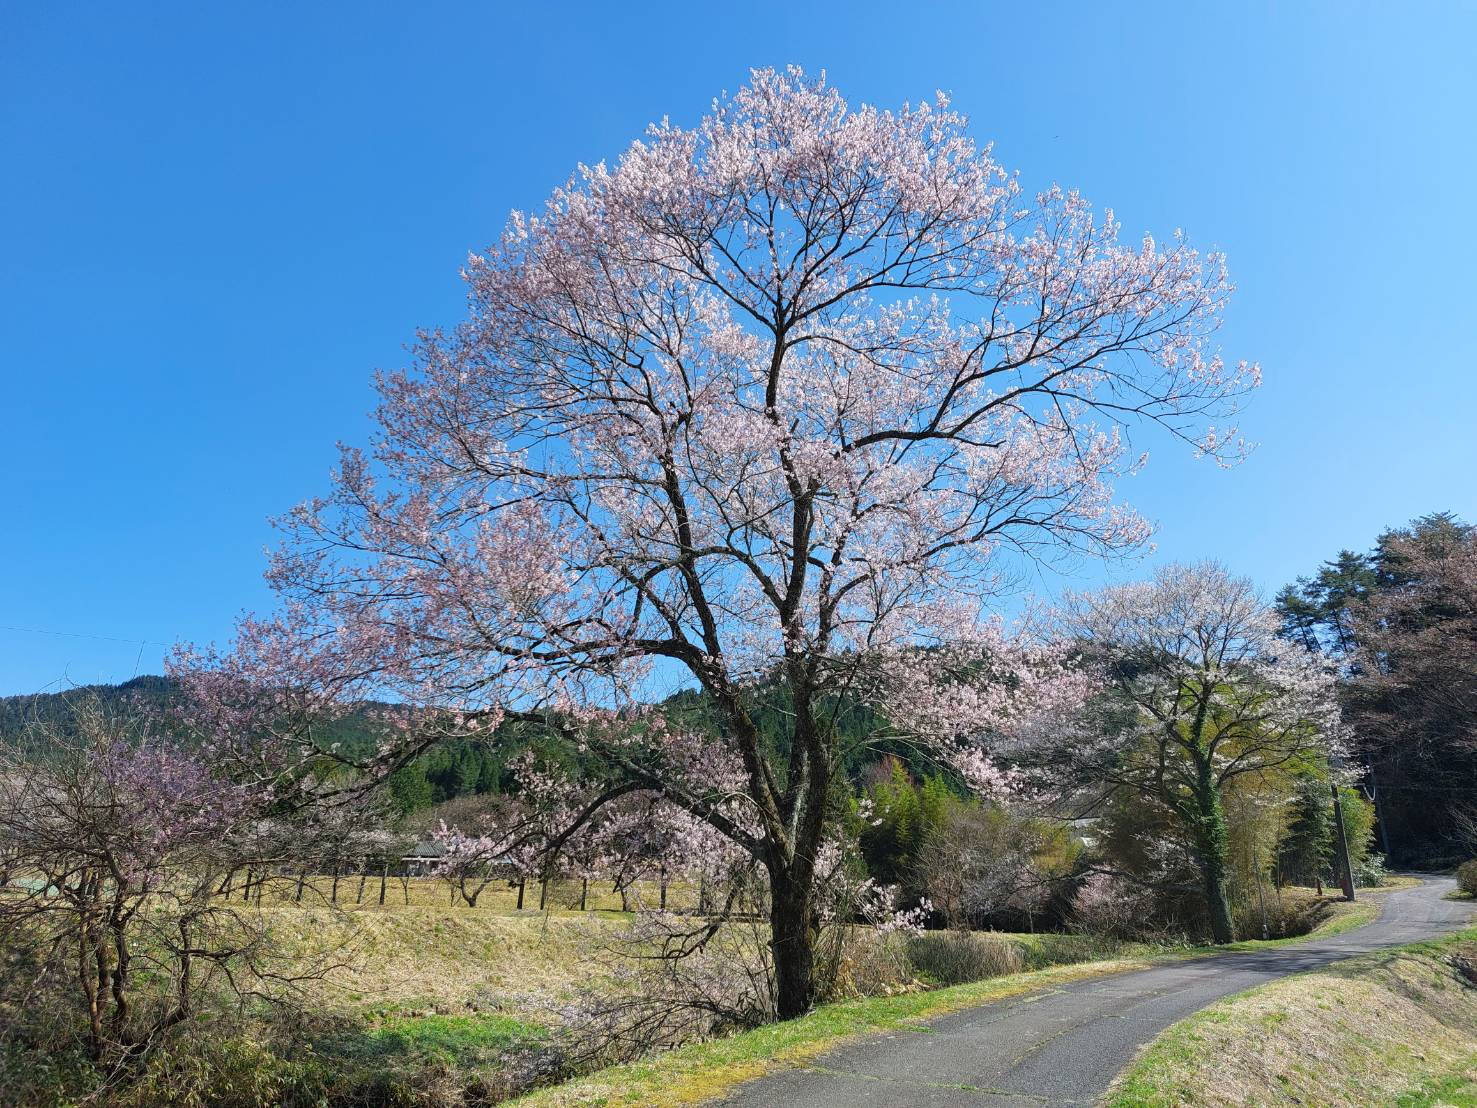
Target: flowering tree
point(1204, 692)
point(122, 843)
point(769, 400)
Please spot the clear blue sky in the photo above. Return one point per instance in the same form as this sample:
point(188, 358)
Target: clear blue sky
point(217, 220)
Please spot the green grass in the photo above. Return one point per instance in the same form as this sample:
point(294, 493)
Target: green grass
point(1457, 1089)
point(473, 1040)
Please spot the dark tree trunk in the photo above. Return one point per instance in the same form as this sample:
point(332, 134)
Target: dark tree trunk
point(792, 946)
point(384, 879)
point(521, 882)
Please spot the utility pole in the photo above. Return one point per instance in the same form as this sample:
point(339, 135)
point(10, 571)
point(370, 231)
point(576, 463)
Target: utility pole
point(1346, 868)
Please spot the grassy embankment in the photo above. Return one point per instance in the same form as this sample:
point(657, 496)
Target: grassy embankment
point(1398, 1027)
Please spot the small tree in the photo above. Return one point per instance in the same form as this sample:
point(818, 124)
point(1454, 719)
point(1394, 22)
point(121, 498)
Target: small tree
point(123, 843)
point(1305, 854)
point(1204, 693)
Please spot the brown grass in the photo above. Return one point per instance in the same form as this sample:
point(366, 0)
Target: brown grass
point(444, 960)
point(1382, 1029)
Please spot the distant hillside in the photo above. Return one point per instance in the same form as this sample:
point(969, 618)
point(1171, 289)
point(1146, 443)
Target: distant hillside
point(453, 769)
point(22, 717)
point(57, 711)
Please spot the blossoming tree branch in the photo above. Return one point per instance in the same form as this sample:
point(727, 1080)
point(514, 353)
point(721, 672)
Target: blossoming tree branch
point(776, 399)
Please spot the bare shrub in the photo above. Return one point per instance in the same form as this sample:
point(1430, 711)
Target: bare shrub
point(673, 979)
point(1111, 907)
point(1466, 877)
point(979, 862)
point(958, 957)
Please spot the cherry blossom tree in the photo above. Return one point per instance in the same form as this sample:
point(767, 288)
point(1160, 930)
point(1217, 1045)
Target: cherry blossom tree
point(777, 400)
point(1203, 692)
point(123, 841)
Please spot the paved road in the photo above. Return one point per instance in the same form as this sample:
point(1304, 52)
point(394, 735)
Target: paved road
point(1064, 1046)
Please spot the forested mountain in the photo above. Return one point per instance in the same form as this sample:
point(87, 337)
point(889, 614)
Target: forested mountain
point(451, 769)
point(455, 769)
point(22, 717)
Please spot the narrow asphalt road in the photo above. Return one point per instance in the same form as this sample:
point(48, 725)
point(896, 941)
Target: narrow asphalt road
point(1064, 1046)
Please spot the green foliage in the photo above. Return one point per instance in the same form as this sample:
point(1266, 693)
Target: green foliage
point(409, 789)
point(1402, 656)
point(1305, 855)
point(1359, 819)
point(904, 814)
point(1308, 851)
point(1317, 611)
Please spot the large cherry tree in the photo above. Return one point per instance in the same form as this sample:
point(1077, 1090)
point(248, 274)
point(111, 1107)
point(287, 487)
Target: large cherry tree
point(777, 402)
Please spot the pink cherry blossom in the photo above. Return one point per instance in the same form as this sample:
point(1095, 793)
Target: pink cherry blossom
point(783, 399)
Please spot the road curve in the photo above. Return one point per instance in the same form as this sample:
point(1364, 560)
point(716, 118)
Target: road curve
point(1064, 1046)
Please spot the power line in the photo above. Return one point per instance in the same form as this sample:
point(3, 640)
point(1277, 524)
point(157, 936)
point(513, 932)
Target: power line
point(81, 635)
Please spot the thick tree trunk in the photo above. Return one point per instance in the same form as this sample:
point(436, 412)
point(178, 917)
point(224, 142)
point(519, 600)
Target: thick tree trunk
point(792, 945)
point(1213, 846)
point(1222, 930)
